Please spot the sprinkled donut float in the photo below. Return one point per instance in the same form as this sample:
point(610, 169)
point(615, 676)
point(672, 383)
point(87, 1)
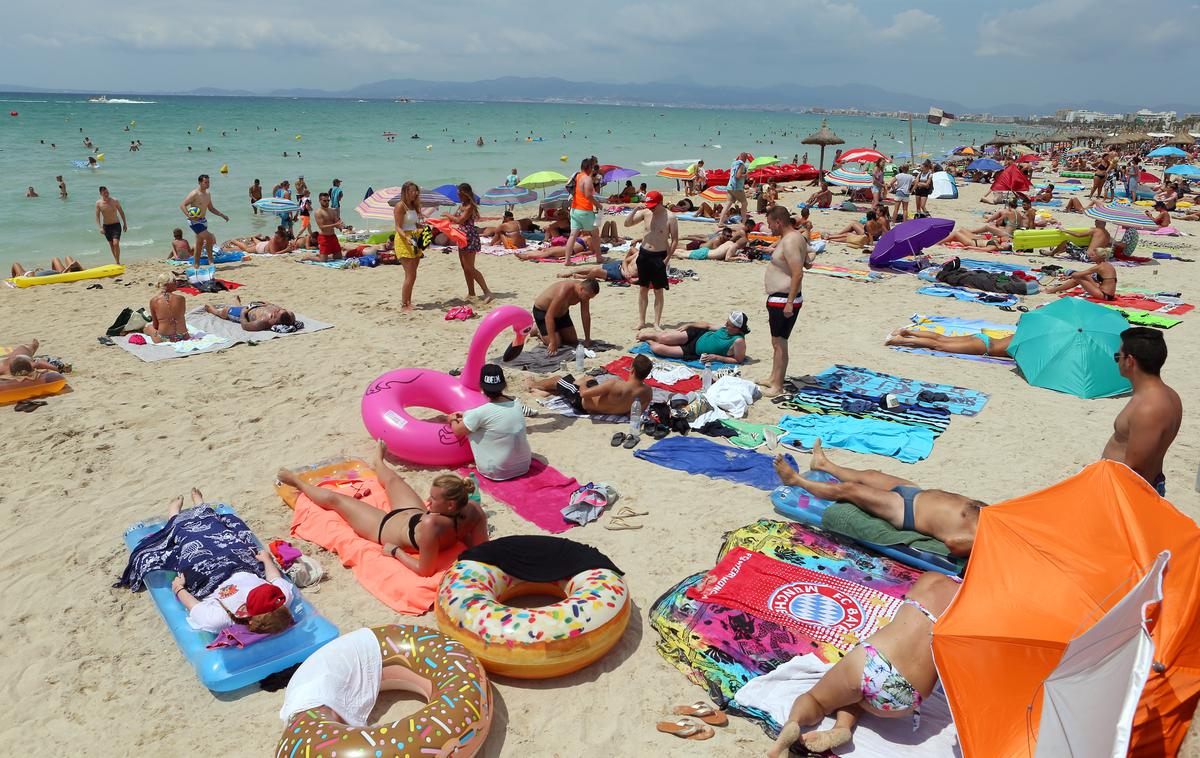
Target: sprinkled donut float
point(455, 721)
point(532, 643)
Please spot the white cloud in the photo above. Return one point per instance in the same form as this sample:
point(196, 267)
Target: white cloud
point(910, 24)
point(1085, 30)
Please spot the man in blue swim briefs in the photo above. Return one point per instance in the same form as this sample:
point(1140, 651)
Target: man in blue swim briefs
point(1147, 425)
point(946, 516)
point(258, 316)
point(195, 208)
point(612, 271)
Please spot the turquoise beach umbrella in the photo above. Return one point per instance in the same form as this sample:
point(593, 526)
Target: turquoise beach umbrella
point(1068, 346)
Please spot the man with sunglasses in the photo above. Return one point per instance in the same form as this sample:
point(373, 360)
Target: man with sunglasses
point(1147, 425)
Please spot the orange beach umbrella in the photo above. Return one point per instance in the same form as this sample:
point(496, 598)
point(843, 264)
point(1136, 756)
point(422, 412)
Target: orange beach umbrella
point(1044, 568)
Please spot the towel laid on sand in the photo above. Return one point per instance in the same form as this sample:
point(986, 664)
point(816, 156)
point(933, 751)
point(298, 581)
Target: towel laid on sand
point(622, 367)
point(711, 459)
point(643, 348)
point(220, 335)
point(862, 435)
point(538, 497)
point(536, 359)
point(852, 521)
point(1141, 302)
point(864, 381)
point(835, 403)
point(853, 274)
point(957, 327)
point(969, 295)
point(384, 577)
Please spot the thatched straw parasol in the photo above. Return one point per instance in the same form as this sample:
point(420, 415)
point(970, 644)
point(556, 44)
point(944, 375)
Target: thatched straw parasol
point(823, 136)
point(1182, 137)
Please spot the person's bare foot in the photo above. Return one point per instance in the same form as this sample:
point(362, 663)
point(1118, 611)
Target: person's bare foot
point(176, 506)
point(283, 476)
point(818, 462)
point(197, 496)
point(407, 308)
point(771, 390)
point(786, 473)
point(827, 739)
point(639, 328)
point(658, 327)
point(488, 297)
point(787, 737)
point(379, 459)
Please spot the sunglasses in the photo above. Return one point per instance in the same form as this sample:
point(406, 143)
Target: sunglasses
point(1117, 357)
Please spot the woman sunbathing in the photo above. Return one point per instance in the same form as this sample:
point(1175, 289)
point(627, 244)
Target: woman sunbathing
point(260, 244)
point(427, 527)
point(965, 238)
point(972, 344)
point(873, 229)
point(20, 361)
point(1074, 206)
point(57, 266)
point(554, 250)
point(888, 675)
point(1099, 281)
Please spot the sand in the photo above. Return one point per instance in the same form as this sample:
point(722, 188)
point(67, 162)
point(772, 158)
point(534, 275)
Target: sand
point(93, 669)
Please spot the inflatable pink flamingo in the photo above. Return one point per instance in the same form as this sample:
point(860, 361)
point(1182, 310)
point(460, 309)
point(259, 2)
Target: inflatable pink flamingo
point(426, 442)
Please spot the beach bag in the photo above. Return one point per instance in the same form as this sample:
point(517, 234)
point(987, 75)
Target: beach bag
point(856, 240)
point(422, 238)
point(571, 187)
point(128, 321)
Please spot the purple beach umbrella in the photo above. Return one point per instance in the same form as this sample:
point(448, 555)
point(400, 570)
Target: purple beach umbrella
point(618, 174)
point(910, 238)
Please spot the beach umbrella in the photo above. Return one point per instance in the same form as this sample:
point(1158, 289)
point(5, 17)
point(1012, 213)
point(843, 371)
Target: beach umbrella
point(542, 180)
point(1029, 158)
point(508, 196)
point(277, 205)
point(1046, 566)
point(429, 199)
point(965, 150)
point(617, 174)
point(1182, 137)
point(1132, 137)
point(1166, 151)
point(715, 194)
point(1001, 140)
point(762, 160)
point(1128, 216)
point(1011, 179)
point(844, 177)
point(671, 172)
point(1022, 149)
point(823, 137)
point(860, 155)
point(1068, 346)
point(909, 238)
point(1183, 169)
point(1115, 139)
point(378, 205)
point(557, 198)
point(984, 164)
point(1078, 150)
point(450, 191)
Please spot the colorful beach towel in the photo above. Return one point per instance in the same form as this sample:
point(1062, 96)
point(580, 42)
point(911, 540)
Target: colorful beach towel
point(538, 497)
point(711, 459)
point(1144, 318)
point(853, 274)
point(204, 545)
point(960, 400)
point(862, 435)
point(823, 607)
point(969, 295)
point(643, 348)
point(1141, 302)
point(957, 327)
point(189, 289)
point(622, 366)
point(835, 403)
point(384, 577)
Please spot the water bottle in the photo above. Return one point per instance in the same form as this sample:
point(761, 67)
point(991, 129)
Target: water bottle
point(579, 357)
point(635, 417)
point(706, 382)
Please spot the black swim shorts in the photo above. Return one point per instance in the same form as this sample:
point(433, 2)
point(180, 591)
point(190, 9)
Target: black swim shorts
point(561, 322)
point(112, 232)
point(652, 269)
point(781, 325)
point(568, 390)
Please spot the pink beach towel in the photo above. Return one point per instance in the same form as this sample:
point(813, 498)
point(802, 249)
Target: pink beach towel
point(538, 497)
point(381, 575)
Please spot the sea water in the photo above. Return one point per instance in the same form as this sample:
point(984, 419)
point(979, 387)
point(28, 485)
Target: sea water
point(337, 138)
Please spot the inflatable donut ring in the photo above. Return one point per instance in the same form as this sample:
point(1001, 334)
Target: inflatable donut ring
point(532, 643)
point(454, 723)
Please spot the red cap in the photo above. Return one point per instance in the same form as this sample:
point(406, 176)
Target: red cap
point(653, 199)
point(263, 599)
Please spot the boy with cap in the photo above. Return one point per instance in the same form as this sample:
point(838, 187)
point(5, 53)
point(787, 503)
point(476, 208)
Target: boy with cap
point(496, 429)
point(654, 255)
point(701, 341)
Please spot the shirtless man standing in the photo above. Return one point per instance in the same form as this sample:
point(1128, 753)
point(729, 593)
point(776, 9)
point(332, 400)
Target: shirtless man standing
point(654, 255)
point(255, 196)
point(168, 312)
point(1147, 425)
point(552, 314)
point(328, 247)
point(110, 220)
point(613, 397)
point(200, 199)
point(946, 516)
point(785, 274)
point(62, 187)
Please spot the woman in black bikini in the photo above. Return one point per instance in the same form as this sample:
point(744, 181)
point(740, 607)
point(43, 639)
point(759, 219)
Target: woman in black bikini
point(426, 527)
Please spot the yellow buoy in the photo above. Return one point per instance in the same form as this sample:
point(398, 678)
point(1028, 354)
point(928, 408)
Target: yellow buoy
point(429, 147)
point(562, 158)
point(200, 128)
point(297, 137)
point(225, 168)
point(100, 157)
point(133, 123)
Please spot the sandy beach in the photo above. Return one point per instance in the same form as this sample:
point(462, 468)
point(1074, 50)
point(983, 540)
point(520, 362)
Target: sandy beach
point(93, 668)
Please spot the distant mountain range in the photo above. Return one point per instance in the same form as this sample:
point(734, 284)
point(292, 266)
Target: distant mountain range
point(676, 92)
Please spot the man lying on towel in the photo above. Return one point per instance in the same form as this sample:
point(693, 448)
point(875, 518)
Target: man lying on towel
point(613, 397)
point(946, 516)
point(700, 341)
point(258, 316)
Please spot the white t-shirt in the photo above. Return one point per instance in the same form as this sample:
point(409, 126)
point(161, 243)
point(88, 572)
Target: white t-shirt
point(344, 675)
point(904, 183)
point(498, 439)
point(209, 616)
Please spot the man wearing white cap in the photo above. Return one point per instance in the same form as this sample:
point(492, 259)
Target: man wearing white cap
point(699, 341)
point(654, 256)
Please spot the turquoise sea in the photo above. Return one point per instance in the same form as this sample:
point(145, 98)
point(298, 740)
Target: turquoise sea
point(331, 138)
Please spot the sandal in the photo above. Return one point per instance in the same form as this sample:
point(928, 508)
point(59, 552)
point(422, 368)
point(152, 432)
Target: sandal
point(617, 439)
point(631, 441)
point(686, 729)
point(703, 711)
point(28, 406)
point(627, 512)
point(619, 524)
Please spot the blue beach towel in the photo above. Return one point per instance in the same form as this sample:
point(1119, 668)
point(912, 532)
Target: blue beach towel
point(969, 295)
point(962, 400)
point(862, 435)
point(957, 327)
point(701, 456)
point(994, 266)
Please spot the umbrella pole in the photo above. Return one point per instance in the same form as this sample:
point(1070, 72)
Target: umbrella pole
point(822, 158)
point(911, 151)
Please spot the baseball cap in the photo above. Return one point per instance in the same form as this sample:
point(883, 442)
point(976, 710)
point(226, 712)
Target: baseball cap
point(653, 199)
point(491, 378)
point(738, 319)
point(263, 599)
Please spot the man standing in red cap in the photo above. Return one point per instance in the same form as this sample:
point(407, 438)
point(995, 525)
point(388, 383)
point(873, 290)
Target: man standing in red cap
point(654, 256)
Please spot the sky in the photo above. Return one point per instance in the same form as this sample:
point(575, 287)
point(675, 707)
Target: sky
point(1045, 51)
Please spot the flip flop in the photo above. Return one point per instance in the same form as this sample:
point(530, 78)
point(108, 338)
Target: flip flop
point(618, 524)
point(28, 406)
point(703, 711)
point(686, 729)
point(627, 512)
point(617, 439)
point(631, 441)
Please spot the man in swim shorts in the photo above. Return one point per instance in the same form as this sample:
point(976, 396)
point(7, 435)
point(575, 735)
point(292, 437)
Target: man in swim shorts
point(20, 360)
point(327, 223)
point(552, 315)
point(198, 222)
point(110, 220)
point(782, 282)
point(624, 270)
point(256, 191)
point(948, 517)
point(585, 205)
point(258, 316)
point(613, 397)
point(1145, 428)
point(736, 187)
point(654, 254)
point(702, 341)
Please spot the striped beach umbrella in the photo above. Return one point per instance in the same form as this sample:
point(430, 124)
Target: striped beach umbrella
point(277, 205)
point(860, 155)
point(1122, 215)
point(431, 199)
point(715, 194)
point(671, 172)
point(844, 177)
point(508, 196)
point(377, 205)
point(556, 198)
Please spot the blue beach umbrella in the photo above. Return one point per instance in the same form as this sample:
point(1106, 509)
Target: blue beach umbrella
point(984, 164)
point(450, 191)
point(1068, 346)
point(1184, 169)
point(508, 196)
point(1166, 152)
point(557, 197)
